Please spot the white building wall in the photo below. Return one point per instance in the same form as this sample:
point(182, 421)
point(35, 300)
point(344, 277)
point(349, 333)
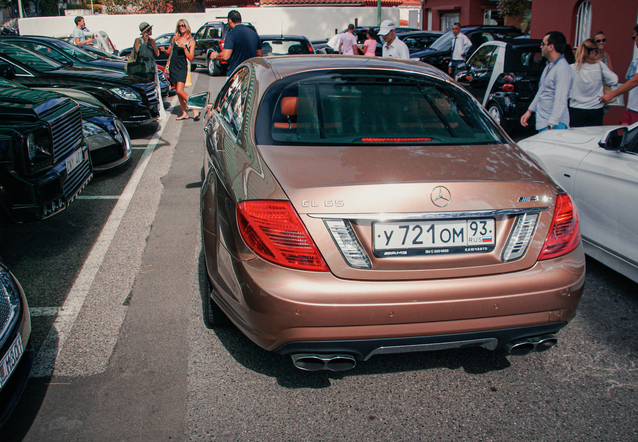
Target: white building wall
point(316, 23)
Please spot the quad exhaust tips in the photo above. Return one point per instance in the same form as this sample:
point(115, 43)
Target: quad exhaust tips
point(316, 362)
point(525, 346)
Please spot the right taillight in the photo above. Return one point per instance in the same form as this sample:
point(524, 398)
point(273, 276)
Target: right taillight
point(274, 231)
point(508, 79)
point(564, 232)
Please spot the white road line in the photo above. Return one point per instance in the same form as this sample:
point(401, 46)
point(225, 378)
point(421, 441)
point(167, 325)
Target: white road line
point(97, 197)
point(54, 342)
point(43, 311)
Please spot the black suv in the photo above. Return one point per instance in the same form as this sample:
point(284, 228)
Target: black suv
point(440, 52)
point(44, 159)
point(210, 37)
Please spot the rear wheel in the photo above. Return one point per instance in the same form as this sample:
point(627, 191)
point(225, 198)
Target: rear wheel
point(213, 69)
point(213, 315)
point(495, 112)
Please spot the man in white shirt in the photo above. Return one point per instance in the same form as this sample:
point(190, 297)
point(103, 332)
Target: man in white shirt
point(78, 34)
point(348, 41)
point(460, 45)
point(393, 46)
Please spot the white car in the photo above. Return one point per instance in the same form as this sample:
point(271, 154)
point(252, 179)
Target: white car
point(598, 167)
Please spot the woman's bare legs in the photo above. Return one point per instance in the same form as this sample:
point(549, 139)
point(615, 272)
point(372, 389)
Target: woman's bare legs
point(182, 97)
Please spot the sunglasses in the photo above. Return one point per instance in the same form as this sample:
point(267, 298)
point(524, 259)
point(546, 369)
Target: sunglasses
point(633, 37)
point(544, 44)
point(590, 50)
point(601, 40)
point(181, 26)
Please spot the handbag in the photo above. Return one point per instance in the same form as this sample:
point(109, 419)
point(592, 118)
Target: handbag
point(620, 99)
point(134, 66)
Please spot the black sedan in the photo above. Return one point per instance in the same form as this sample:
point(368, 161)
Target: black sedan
point(69, 54)
point(133, 102)
point(16, 352)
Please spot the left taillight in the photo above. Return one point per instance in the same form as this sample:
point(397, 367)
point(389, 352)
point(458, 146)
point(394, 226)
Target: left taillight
point(274, 231)
point(564, 232)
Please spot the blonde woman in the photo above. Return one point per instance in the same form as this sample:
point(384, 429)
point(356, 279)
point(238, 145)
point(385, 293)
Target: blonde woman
point(181, 50)
point(585, 108)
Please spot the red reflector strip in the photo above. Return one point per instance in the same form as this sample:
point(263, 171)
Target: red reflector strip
point(393, 140)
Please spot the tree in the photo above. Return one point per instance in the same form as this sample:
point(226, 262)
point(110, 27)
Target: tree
point(513, 11)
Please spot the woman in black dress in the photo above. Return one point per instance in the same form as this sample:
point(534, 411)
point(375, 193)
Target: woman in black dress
point(182, 48)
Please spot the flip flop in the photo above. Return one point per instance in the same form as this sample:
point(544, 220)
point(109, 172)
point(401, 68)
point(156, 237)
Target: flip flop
point(196, 117)
point(182, 118)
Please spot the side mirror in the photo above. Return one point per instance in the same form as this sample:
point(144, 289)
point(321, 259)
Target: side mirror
point(615, 139)
point(7, 71)
point(198, 101)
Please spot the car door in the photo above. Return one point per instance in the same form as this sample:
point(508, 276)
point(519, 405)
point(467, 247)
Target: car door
point(476, 78)
point(605, 191)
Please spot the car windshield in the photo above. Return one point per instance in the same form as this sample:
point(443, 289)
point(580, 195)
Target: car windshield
point(56, 51)
point(372, 107)
point(443, 43)
point(77, 53)
point(164, 39)
point(284, 47)
point(34, 60)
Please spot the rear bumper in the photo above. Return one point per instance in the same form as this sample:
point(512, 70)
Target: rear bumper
point(364, 349)
point(281, 309)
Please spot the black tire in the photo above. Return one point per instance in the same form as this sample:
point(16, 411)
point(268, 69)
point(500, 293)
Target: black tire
point(213, 316)
point(496, 112)
point(213, 69)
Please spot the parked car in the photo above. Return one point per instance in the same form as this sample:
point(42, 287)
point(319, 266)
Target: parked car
point(44, 160)
point(356, 206)
point(163, 41)
point(70, 54)
point(210, 37)
point(439, 53)
point(504, 77)
point(16, 352)
point(108, 140)
point(134, 102)
point(597, 167)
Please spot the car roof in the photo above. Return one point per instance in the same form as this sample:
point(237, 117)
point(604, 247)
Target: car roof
point(282, 37)
point(286, 65)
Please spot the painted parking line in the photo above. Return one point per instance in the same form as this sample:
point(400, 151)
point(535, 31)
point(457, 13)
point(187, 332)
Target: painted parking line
point(43, 311)
point(53, 345)
point(97, 197)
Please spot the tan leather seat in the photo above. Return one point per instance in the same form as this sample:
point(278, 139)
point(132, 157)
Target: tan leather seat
point(289, 111)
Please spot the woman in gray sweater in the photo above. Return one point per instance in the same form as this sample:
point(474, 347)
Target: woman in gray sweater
point(585, 108)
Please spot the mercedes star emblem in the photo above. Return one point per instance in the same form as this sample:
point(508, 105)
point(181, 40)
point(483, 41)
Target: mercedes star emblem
point(440, 196)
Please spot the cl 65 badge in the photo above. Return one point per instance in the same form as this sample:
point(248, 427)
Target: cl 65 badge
point(326, 203)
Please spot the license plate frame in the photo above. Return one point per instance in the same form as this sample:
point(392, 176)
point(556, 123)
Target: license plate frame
point(11, 360)
point(74, 160)
point(433, 237)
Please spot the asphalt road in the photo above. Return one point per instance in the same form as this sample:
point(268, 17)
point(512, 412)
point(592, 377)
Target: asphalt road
point(115, 284)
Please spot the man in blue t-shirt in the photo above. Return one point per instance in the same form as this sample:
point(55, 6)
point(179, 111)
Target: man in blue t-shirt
point(241, 43)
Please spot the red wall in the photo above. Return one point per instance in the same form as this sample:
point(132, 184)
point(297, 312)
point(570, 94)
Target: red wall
point(615, 18)
point(470, 11)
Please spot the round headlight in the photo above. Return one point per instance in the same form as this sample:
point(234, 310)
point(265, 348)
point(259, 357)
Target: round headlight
point(39, 143)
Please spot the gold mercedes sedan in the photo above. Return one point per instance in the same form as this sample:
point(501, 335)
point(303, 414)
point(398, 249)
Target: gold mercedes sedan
point(356, 206)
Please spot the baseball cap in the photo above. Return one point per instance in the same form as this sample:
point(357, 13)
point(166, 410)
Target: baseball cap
point(145, 27)
point(386, 27)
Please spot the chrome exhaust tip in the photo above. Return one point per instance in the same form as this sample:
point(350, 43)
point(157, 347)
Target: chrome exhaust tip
point(316, 362)
point(525, 346)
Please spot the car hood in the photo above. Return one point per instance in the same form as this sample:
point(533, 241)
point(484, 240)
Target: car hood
point(109, 64)
point(23, 100)
point(81, 74)
point(582, 135)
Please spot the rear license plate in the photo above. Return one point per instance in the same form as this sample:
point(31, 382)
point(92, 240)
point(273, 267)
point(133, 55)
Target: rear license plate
point(10, 360)
point(74, 160)
point(439, 237)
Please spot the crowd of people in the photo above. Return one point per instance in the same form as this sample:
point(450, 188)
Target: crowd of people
point(576, 95)
point(569, 95)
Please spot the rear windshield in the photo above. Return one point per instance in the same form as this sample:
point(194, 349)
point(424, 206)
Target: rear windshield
point(524, 59)
point(284, 47)
point(371, 107)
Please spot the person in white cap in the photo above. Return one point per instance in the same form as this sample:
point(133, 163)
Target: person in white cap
point(393, 46)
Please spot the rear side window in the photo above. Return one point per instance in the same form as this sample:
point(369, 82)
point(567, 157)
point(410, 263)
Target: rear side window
point(284, 47)
point(372, 107)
